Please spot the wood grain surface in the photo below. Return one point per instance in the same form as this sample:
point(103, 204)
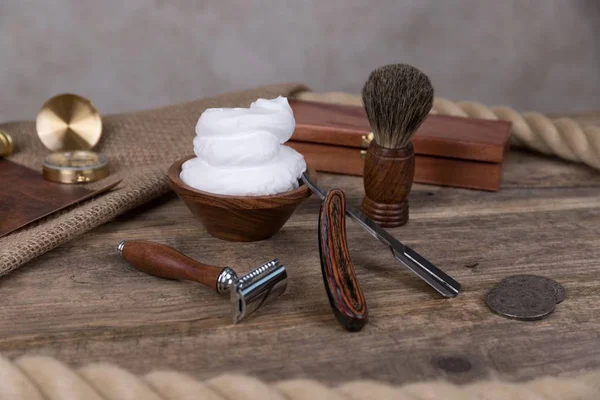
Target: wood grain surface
point(439, 135)
point(165, 262)
point(450, 151)
point(389, 175)
point(340, 281)
point(434, 170)
point(26, 196)
point(83, 303)
point(238, 218)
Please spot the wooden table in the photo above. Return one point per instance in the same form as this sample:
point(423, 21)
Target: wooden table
point(82, 303)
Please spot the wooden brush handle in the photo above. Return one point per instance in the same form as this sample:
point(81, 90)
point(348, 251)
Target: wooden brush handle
point(343, 290)
point(163, 261)
point(388, 178)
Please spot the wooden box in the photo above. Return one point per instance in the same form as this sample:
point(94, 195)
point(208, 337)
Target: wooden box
point(450, 151)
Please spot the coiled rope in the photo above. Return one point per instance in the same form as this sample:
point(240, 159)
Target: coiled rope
point(44, 378)
point(562, 137)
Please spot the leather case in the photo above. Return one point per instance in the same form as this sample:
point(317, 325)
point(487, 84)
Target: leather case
point(25, 196)
point(450, 151)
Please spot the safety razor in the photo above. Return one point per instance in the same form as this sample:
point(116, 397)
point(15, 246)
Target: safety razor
point(247, 294)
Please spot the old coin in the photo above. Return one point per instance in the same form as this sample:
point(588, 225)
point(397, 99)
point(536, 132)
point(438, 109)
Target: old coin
point(537, 283)
point(520, 301)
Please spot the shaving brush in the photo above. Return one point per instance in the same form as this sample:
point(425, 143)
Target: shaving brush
point(397, 99)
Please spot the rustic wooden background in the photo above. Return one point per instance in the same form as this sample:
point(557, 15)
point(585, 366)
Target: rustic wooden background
point(82, 303)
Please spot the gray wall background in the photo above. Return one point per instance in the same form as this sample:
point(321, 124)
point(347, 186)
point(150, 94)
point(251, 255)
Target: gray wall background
point(132, 54)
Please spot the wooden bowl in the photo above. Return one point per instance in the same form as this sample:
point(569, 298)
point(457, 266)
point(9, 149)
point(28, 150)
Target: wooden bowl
point(238, 218)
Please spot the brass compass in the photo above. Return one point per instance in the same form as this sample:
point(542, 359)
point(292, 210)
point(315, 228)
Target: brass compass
point(70, 126)
point(79, 166)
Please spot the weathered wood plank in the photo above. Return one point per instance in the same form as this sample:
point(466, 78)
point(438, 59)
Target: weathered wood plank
point(82, 303)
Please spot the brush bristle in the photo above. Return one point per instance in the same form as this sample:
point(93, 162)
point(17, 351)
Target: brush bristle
point(397, 98)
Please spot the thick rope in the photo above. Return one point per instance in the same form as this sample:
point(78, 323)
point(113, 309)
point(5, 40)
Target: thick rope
point(44, 378)
point(563, 137)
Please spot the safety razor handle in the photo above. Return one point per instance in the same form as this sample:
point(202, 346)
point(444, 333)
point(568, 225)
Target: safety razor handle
point(165, 262)
point(344, 293)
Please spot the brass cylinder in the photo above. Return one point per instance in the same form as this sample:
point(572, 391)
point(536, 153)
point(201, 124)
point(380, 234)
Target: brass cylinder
point(6, 144)
point(68, 122)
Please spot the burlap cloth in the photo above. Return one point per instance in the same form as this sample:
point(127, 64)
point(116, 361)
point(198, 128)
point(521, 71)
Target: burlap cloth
point(140, 147)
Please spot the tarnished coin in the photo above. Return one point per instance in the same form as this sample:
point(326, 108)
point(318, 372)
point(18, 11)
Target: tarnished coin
point(537, 283)
point(520, 301)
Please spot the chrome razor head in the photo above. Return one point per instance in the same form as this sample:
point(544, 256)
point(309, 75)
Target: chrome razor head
point(256, 288)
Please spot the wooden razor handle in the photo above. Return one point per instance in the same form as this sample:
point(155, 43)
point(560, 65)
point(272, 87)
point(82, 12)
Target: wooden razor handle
point(164, 262)
point(343, 290)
